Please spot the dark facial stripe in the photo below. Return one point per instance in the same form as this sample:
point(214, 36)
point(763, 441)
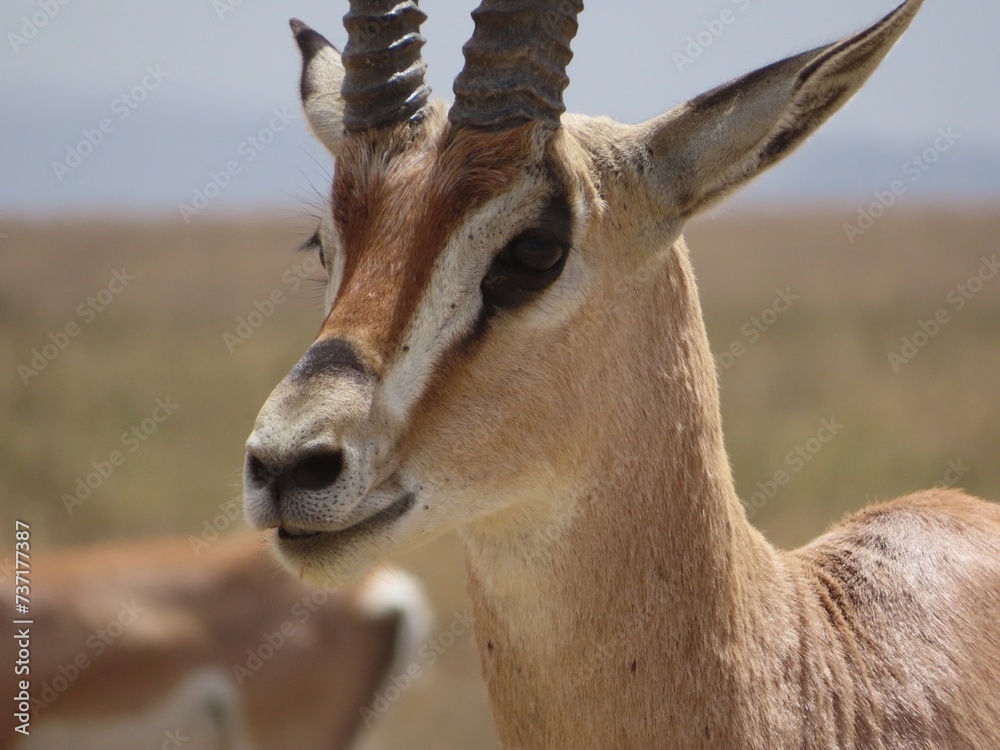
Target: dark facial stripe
point(395, 210)
point(330, 357)
point(556, 221)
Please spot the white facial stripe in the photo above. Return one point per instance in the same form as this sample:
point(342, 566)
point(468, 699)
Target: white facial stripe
point(333, 251)
point(452, 303)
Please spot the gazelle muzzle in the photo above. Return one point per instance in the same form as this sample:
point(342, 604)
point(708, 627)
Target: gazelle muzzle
point(313, 460)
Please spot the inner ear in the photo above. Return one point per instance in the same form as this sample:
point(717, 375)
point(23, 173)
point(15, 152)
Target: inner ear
point(319, 85)
point(718, 141)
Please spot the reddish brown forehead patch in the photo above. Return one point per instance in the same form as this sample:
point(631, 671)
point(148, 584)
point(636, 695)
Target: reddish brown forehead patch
point(396, 201)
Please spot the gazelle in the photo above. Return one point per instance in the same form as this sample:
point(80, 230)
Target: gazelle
point(514, 348)
point(145, 645)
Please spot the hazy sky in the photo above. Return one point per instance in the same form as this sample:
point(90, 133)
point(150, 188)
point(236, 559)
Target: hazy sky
point(210, 74)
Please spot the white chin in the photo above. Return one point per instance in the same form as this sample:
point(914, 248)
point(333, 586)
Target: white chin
point(326, 563)
point(336, 558)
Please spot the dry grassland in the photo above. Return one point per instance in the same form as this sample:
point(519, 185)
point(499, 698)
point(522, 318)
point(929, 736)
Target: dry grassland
point(825, 357)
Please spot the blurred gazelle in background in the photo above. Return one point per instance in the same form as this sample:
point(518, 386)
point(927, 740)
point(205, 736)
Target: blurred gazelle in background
point(145, 645)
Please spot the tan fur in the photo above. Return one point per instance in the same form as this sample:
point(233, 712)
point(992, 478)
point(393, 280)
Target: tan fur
point(622, 598)
point(871, 637)
point(197, 617)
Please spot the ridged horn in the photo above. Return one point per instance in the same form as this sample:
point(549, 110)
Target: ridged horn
point(515, 64)
point(384, 81)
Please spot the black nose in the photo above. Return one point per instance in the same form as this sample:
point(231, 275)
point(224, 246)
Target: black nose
point(314, 472)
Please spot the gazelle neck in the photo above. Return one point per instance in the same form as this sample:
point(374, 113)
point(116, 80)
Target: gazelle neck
point(641, 586)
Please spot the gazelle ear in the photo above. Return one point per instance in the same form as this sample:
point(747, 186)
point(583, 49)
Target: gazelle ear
point(716, 142)
point(322, 76)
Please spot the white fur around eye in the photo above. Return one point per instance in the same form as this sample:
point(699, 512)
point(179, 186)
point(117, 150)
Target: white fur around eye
point(558, 302)
point(333, 252)
point(452, 303)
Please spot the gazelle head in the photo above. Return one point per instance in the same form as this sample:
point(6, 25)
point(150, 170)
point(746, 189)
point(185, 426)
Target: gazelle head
point(500, 276)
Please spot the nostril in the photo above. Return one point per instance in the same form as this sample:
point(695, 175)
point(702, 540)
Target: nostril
point(318, 471)
point(260, 472)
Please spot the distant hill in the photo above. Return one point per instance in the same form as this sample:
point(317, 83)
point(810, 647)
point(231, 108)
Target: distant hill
point(156, 160)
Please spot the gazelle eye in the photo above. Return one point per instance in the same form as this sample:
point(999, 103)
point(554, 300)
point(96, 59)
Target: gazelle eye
point(529, 263)
point(532, 260)
point(315, 243)
point(534, 253)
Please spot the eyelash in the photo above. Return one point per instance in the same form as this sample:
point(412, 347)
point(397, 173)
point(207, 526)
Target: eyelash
point(314, 243)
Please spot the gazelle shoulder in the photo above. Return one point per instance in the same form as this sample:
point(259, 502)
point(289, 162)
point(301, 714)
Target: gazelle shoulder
point(927, 538)
point(939, 512)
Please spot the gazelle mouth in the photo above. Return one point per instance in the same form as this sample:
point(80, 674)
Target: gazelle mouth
point(297, 537)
